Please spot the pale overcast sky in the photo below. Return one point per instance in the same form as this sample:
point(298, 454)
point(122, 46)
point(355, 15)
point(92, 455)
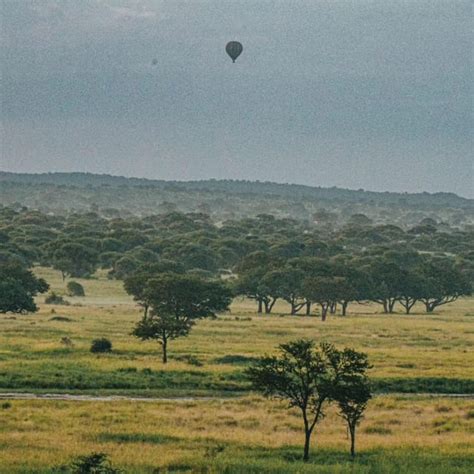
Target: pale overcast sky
point(358, 94)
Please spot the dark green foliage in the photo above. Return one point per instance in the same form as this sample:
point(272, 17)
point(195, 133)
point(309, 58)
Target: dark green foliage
point(308, 378)
point(54, 298)
point(75, 289)
point(95, 463)
point(442, 282)
point(351, 387)
point(76, 259)
point(361, 258)
point(18, 286)
point(101, 345)
point(176, 302)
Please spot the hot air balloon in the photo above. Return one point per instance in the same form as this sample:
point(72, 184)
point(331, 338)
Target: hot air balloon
point(233, 49)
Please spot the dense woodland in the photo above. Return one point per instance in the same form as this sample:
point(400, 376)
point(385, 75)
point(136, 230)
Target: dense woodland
point(112, 197)
point(403, 250)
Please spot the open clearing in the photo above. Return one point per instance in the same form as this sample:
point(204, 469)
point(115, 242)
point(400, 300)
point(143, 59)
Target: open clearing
point(237, 432)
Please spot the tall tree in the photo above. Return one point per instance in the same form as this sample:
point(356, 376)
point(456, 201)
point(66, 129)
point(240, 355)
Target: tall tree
point(308, 378)
point(298, 375)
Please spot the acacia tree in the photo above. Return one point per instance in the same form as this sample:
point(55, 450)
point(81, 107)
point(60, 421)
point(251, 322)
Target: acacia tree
point(298, 375)
point(411, 289)
point(287, 285)
point(75, 259)
point(136, 285)
point(18, 287)
point(325, 291)
point(442, 283)
point(308, 378)
point(387, 280)
point(352, 397)
point(251, 271)
point(176, 302)
point(351, 387)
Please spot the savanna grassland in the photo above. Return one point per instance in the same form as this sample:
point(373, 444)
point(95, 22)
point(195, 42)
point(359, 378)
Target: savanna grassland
point(231, 430)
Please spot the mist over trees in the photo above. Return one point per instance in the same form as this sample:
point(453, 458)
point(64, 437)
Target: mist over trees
point(113, 196)
point(264, 258)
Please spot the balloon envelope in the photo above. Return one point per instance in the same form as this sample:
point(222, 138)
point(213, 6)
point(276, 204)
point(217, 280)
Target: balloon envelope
point(233, 49)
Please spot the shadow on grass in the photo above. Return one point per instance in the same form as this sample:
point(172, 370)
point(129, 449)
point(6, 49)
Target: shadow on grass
point(151, 438)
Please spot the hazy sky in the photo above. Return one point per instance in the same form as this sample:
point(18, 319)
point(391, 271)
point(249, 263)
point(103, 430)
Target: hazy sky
point(358, 94)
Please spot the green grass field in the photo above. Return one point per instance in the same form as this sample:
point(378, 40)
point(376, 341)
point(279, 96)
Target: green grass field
point(237, 431)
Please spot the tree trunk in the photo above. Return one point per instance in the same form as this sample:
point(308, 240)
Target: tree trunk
point(296, 307)
point(429, 307)
point(164, 344)
point(344, 307)
point(332, 308)
point(352, 430)
point(308, 308)
point(324, 312)
point(307, 439)
point(145, 311)
point(391, 304)
point(385, 307)
point(269, 305)
point(260, 307)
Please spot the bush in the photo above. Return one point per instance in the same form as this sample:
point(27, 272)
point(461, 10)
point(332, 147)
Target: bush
point(95, 463)
point(101, 345)
point(75, 289)
point(54, 298)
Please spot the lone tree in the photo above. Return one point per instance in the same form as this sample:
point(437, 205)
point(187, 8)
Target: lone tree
point(309, 378)
point(176, 302)
point(18, 287)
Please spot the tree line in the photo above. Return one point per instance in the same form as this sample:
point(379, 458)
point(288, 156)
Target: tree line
point(79, 244)
point(387, 279)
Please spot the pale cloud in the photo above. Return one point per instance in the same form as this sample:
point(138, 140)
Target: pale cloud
point(349, 93)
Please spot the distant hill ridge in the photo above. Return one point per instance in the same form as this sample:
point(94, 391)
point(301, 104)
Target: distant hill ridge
point(78, 179)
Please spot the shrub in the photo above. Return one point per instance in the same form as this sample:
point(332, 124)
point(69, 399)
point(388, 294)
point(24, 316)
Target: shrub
point(54, 298)
point(95, 463)
point(101, 345)
point(75, 289)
